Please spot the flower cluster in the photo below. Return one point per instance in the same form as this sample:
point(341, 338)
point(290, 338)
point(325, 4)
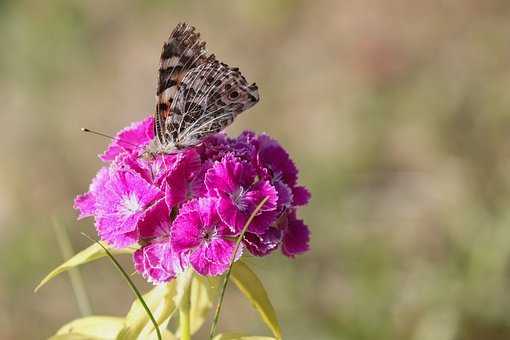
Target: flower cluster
point(188, 208)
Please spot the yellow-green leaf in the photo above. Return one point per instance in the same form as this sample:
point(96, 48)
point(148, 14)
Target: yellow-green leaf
point(165, 335)
point(183, 281)
point(249, 284)
point(160, 302)
point(103, 327)
point(240, 336)
point(204, 291)
point(89, 254)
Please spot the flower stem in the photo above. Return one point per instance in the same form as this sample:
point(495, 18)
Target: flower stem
point(184, 314)
point(227, 276)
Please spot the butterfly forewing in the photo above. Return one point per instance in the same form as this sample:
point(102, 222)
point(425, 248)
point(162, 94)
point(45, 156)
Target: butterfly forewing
point(182, 52)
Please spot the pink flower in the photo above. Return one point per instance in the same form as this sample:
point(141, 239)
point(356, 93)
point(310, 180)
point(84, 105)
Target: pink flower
point(296, 236)
point(131, 139)
point(215, 147)
point(86, 203)
point(300, 196)
point(274, 158)
point(120, 205)
point(262, 245)
point(232, 181)
point(157, 262)
point(199, 234)
point(155, 224)
point(154, 170)
point(188, 208)
point(185, 180)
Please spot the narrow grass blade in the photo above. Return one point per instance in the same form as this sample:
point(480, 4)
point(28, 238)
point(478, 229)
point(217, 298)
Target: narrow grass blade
point(131, 284)
point(74, 274)
point(227, 276)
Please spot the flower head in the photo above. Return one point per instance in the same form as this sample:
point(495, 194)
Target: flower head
point(199, 234)
point(157, 262)
point(234, 183)
point(188, 208)
point(120, 205)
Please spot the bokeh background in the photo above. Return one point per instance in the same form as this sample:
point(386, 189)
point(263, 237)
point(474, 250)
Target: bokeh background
point(397, 113)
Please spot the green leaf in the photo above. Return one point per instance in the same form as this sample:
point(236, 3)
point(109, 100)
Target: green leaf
point(240, 336)
point(204, 291)
point(160, 302)
point(89, 254)
point(249, 284)
point(102, 327)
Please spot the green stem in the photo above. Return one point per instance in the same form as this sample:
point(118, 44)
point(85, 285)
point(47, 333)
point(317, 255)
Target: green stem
point(227, 276)
point(184, 314)
point(131, 284)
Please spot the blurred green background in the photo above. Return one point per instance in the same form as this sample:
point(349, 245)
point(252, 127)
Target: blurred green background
point(397, 113)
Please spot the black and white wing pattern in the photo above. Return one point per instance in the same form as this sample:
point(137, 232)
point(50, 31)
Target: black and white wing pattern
point(182, 52)
point(210, 97)
point(197, 95)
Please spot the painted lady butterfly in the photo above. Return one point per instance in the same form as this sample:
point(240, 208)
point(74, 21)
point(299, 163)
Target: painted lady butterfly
point(197, 95)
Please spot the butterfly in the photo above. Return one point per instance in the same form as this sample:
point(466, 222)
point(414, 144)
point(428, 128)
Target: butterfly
point(197, 95)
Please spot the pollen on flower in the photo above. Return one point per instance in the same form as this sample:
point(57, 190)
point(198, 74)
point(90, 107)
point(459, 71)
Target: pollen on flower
point(186, 209)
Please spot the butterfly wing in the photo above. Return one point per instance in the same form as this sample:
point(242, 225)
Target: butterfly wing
point(209, 97)
point(182, 52)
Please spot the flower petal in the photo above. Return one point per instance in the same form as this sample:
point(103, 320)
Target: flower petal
point(130, 139)
point(296, 237)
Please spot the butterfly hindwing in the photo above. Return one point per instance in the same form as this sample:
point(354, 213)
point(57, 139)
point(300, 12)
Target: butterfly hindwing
point(209, 98)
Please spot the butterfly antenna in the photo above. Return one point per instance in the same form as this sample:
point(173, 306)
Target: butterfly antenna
point(97, 133)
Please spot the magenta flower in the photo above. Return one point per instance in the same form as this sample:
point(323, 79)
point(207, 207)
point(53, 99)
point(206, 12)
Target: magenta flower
point(262, 245)
point(153, 171)
point(121, 204)
point(273, 157)
point(155, 224)
point(185, 180)
point(86, 203)
point(131, 139)
point(199, 234)
point(300, 196)
point(215, 147)
point(189, 207)
point(296, 236)
point(157, 262)
point(233, 182)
